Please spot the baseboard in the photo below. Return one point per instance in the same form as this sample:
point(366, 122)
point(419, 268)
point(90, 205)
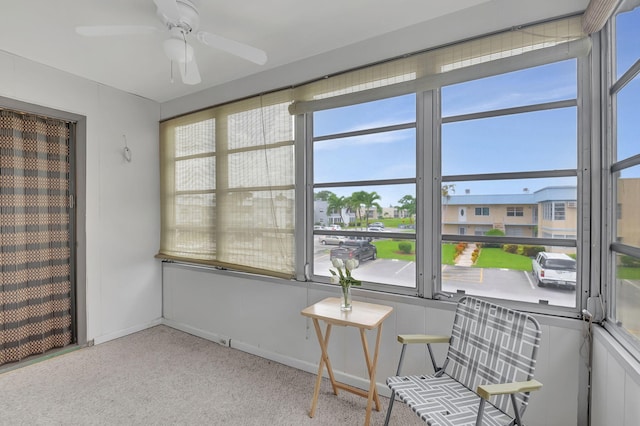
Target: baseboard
point(309, 367)
point(121, 333)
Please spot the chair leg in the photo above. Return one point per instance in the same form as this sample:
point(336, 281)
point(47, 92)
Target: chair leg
point(393, 393)
point(388, 417)
point(516, 412)
point(480, 412)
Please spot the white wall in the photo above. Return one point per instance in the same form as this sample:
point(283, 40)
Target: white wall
point(615, 383)
point(262, 316)
point(123, 281)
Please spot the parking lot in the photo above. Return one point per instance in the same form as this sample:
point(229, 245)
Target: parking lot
point(497, 283)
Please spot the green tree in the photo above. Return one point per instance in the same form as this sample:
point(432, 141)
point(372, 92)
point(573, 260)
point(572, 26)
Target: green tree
point(322, 195)
point(447, 191)
point(336, 204)
point(495, 233)
point(408, 204)
point(365, 200)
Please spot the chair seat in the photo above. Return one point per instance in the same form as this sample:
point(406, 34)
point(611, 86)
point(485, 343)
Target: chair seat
point(443, 401)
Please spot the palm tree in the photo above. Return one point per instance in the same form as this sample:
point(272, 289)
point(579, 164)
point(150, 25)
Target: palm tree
point(447, 190)
point(366, 200)
point(336, 203)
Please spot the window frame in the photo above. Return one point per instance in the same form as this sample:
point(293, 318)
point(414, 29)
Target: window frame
point(429, 238)
point(610, 209)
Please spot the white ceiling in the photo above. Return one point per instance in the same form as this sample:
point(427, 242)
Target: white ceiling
point(287, 30)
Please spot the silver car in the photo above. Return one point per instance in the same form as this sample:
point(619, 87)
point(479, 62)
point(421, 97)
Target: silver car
point(336, 240)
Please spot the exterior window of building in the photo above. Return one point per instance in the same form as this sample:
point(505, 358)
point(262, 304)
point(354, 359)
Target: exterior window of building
point(515, 211)
point(482, 211)
point(624, 177)
point(558, 211)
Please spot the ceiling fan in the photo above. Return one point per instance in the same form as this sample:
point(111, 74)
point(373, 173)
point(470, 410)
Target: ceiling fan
point(181, 19)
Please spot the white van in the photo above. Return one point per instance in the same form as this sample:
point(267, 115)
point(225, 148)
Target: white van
point(554, 269)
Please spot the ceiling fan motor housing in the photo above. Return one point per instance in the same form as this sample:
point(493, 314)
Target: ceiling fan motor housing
point(189, 18)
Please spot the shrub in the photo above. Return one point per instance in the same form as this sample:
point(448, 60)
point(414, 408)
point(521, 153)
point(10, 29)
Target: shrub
point(532, 251)
point(630, 261)
point(510, 248)
point(460, 248)
point(405, 247)
point(494, 233)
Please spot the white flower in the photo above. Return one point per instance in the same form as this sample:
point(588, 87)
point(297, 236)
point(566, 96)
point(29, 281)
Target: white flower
point(334, 279)
point(338, 263)
point(351, 264)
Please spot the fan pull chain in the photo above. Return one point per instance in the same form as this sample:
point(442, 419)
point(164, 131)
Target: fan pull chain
point(185, 53)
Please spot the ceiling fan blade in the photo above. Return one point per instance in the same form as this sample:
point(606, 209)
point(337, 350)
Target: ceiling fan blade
point(168, 8)
point(234, 47)
point(190, 75)
point(114, 30)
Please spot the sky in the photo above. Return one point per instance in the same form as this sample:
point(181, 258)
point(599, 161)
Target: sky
point(536, 141)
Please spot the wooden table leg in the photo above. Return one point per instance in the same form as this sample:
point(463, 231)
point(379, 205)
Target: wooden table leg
point(371, 366)
point(324, 360)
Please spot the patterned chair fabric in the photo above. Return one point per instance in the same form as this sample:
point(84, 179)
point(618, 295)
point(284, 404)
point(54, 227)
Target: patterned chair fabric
point(489, 344)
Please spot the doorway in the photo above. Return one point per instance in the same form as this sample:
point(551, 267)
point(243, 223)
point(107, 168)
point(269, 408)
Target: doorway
point(37, 220)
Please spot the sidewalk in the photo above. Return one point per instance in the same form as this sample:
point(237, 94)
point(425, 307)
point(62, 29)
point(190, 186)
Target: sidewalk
point(465, 257)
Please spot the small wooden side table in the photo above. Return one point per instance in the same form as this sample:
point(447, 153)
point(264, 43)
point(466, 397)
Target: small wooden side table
point(364, 316)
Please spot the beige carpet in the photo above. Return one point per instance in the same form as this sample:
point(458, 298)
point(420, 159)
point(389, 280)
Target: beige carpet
point(162, 376)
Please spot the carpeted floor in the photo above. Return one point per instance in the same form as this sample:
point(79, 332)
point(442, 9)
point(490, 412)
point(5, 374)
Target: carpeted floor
point(162, 376)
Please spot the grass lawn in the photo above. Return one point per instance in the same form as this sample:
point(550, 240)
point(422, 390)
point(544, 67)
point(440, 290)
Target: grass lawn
point(498, 258)
point(628, 273)
point(388, 249)
point(448, 251)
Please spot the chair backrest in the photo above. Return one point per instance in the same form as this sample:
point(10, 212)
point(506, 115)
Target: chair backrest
point(492, 344)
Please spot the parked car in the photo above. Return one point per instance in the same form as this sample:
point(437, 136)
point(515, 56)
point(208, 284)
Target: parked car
point(377, 224)
point(336, 240)
point(375, 229)
point(359, 250)
point(554, 269)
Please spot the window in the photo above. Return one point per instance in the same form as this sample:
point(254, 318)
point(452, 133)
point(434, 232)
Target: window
point(227, 181)
point(435, 149)
point(515, 211)
point(558, 211)
point(521, 154)
point(364, 158)
point(553, 210)
point(624, 177)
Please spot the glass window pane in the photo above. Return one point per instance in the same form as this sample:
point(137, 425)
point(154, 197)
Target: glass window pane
point(542, 140)
point(387, 155)
point(627, 206)
point(627, 293)
point(382, 260)
point(627, 36)
point(548, 83)
point(355, 208)
point(628, 125)
point(528, 273)
point(370, 115)
point(542, 208)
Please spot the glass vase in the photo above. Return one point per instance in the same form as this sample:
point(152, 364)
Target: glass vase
point(345, 304)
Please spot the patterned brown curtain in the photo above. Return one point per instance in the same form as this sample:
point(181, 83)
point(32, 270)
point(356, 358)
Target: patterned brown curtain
point(35, 251)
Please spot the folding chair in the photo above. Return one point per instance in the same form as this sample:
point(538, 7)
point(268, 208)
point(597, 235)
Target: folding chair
point(489, 367)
